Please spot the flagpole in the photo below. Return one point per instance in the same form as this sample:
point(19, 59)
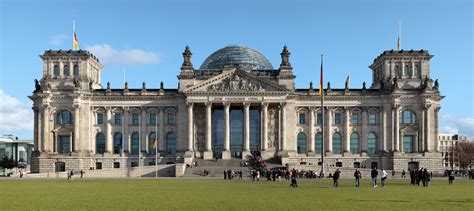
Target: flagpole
point(156, 146)
point(321, 91)
point(399, 44)
point(73, 30)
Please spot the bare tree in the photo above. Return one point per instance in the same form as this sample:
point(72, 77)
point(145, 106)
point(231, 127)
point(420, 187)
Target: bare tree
point(465, 153)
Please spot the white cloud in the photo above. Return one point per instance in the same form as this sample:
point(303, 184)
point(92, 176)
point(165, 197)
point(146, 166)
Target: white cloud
point(457, 125)
point(108, 55)
point(15, 116)
point(58, 39)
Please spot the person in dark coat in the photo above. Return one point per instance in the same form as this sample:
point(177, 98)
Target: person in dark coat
point(450, 177)
point(373, 174)
point(335, 178)
point(357, 176)
point(225, 174)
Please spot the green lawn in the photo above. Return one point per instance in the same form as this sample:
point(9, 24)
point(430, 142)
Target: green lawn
point(172, 194)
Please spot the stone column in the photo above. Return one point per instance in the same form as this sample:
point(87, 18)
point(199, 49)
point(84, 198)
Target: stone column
point(37, 129)
point(347, 132)
point(190, 127)
point(208, 153)
point(283, 126)
point(311, 131)
point(415, 144)
point(143, 132)
point(126, 133)
point(246, 130)
point(329, 130)
point(162, 141)
point(45, 130)
point(427, 128)
point(77, 132)
point(363, 142)
point(383, 128)
point(265, 126)
point(396, 132)
point(226, 152)
point(421, 132)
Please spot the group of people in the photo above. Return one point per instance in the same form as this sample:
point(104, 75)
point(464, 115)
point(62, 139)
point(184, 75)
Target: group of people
point(230, 174)
point(420, 175)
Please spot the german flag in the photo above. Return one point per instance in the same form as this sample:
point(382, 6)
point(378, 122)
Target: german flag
point(154, 143)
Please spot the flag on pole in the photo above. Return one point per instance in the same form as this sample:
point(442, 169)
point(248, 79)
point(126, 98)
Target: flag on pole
point(347, 80)
point(75, 42)
point(154, 142)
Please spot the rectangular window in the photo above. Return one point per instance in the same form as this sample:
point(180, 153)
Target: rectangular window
point(118, 119)
point(337, 119)
point(135, 119)
point(98, 165)
point(100, 119)
point(170, 119)
point(372, 119)
point(408, 144)
point(64, 144)
point(302, 119)
point(319, 119)
point(116, 165)
point(152, 119)
point(355, 119)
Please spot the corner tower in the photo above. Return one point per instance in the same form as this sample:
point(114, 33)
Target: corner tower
point(402, 69)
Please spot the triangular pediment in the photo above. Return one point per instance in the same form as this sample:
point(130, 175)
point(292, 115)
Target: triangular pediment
point(237, 81)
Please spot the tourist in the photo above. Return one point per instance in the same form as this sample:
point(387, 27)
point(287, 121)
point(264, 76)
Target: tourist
point(384, 177)
point(450, 177)
point(258, 175)
point(412, 176)
point(225, 174)
point(403, 173)
point(427, 177)
point(294, 183)
point(393, 174)
point(335, 178)
point(68, 175)
point(357, 176)
point(82, 173)
point(373, 175)
point(240, 175)
point(72, 173)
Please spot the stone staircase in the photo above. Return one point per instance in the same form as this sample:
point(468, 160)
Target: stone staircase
point(216, 168)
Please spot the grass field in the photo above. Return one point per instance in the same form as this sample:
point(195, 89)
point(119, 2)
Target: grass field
point(179, 194)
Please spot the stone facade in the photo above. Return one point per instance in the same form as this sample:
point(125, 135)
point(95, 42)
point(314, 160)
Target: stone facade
point(235, 103)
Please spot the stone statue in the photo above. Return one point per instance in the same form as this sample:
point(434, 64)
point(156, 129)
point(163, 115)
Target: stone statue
point(187, 57)
point(346, 85)
point(329, 86)
point(90, 85)
point(108, 84)
point(161, 85)
point(436, 84)
point(76, 83)
point(395, 83)
point(363, 85)
point(126, 85)
point(235, 83)
point(37, 86)
point(143, 85)
point(285, 57)
point(311, 85)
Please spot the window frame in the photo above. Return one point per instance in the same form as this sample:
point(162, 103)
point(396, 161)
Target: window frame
point(302, 118)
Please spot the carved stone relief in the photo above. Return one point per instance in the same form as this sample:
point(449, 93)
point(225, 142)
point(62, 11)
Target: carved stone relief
point(273, 127)
point(236, 83)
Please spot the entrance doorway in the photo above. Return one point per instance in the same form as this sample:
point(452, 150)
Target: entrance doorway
point(60, 166)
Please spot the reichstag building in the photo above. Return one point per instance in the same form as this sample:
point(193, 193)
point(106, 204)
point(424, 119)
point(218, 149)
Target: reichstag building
point(235, 103)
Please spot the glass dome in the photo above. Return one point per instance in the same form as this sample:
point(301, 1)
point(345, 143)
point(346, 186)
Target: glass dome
point(236, 56)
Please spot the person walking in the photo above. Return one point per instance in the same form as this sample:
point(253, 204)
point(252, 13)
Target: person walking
point(384, 177)
point(373, 174)
point(450, 177)
point(427, 177)
point(393, 174)
point(335, 178)
point(82, 173)
point(357, 176)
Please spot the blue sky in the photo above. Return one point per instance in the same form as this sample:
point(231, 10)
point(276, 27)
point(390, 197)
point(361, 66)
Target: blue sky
point(148, 37)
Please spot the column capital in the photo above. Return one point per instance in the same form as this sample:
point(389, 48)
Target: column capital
point(426, 107)
point(396, 107)
point(312, 108)
point(265, 104)
point(246, 104)
point(190, 104)
point(226, 104)
point(283, 104)
point(208, 104)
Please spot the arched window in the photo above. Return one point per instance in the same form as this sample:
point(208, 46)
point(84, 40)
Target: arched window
point(318, 138)
point(100, 143)
point(301, 143)
point(66, 70)
point(171, 143)
point(151, 140)
point(117, 143)
point(408, 117)
point(354, 146)
point(75, 70)
point(56, 70)
point(135, 146)
point(336, 143)
point(371, 143)
point(63, 118)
